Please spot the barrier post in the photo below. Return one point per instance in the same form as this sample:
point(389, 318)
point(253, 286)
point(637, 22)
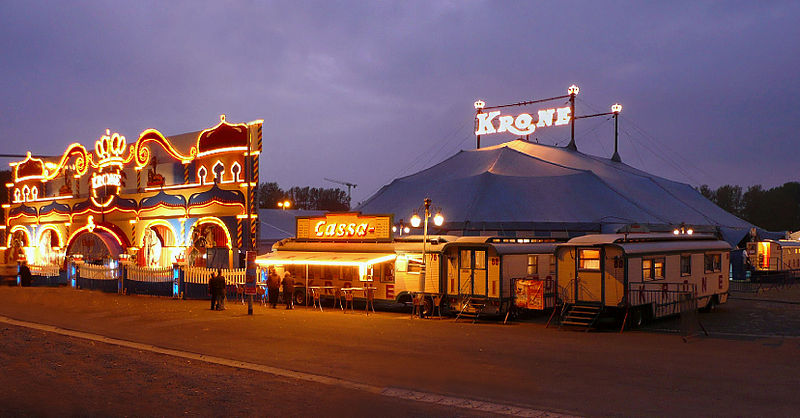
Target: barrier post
point(73, 275)
point(176, 274)
point(122, 274)
point(182, 281)
point(250, 280)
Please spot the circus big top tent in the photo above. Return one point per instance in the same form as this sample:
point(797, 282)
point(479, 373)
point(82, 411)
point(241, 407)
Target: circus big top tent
point(520, 188)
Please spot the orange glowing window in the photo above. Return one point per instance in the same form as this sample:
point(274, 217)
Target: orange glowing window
point(589, 259)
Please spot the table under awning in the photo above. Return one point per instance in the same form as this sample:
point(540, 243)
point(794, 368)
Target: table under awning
point(323, 258)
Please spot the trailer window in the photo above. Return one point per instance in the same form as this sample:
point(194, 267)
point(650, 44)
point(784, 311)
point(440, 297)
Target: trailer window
point(589, 259)
point(686, 265)
point(533, 265)
point(552, 264)
point(480, 260)
point(652, 269)
point(466, 259)
point(713, 263)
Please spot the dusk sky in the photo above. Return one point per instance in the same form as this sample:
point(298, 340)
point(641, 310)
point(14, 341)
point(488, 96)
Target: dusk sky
point(368, 91)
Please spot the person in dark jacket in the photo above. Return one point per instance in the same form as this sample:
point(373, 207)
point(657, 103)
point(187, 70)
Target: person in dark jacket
point(25, 277)
point(212, 291)
point(220, 290)
point(273, 287)
point(288, 290)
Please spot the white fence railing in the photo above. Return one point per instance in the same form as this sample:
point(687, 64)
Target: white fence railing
point(89, 271)
point(201, 275)
point(149, 274)
point(45, 270)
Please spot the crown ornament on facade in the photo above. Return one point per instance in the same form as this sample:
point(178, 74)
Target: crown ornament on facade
point(109, 149)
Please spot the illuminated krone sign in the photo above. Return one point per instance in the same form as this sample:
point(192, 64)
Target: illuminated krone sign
point(522, 124)
point(344, 226)
point(106, 179)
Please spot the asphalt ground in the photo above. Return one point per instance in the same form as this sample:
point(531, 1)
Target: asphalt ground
point(740, 370)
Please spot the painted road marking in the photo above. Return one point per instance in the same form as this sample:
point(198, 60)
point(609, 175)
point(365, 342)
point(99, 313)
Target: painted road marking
point(723, 334)
point(465, 403)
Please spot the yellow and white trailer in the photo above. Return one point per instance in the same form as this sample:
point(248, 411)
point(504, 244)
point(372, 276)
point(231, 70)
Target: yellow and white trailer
point(774, 256)
point(457, 269)
point(644, 275)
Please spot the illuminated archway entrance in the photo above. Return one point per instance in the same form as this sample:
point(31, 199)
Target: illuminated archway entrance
point(97, 247)
point(49, 246)
point(210, 244)
point(158, 245)
point(19, 244)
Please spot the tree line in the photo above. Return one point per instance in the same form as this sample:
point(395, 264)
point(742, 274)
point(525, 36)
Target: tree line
point(775, 209)
point(308, 198)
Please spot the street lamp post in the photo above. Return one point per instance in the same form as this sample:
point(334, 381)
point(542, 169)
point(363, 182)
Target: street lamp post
point(438, 220)
point(401, 228)
point(285, 204)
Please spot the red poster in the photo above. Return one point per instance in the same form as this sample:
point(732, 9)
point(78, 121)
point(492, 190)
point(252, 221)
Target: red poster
point(529, 294)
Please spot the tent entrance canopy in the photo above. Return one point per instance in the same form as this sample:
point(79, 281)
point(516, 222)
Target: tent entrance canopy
point(319, 258)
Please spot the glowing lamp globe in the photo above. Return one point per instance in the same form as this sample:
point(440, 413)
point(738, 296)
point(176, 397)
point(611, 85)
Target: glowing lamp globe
point(616, 108)
point(415, 221)
point(676, 232)
point(438, 219)
point(690, 231)
point(573, 89)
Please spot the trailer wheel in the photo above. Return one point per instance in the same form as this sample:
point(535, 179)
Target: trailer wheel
point(300, 297)
point(636, 318)
point(711, 306)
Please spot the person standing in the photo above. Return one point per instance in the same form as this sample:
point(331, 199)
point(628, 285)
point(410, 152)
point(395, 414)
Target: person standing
point(273, 287)
point(25, 277)
point(212, 290)
point(220, 284)
point(288, 290)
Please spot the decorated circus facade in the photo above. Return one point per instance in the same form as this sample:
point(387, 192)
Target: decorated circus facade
point(152, 202)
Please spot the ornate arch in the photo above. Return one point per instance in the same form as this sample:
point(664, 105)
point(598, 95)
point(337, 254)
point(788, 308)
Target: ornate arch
point(43, 228)
point(212, 220)
point(163, 223)
point(19, 228)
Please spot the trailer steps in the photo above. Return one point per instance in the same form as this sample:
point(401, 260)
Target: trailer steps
point(581, 316)
point(471, 308)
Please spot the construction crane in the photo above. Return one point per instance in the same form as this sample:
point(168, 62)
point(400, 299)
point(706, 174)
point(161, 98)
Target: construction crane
point(349, 185)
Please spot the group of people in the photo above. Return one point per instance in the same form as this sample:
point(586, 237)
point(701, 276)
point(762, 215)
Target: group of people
point(216, 287)
point(273, 285)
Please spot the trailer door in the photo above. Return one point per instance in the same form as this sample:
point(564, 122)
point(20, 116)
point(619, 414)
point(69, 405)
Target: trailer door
point(472, 272)
point(589, 275)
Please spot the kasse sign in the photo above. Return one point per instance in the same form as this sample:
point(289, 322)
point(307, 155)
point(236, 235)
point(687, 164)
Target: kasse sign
point(522, 124)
